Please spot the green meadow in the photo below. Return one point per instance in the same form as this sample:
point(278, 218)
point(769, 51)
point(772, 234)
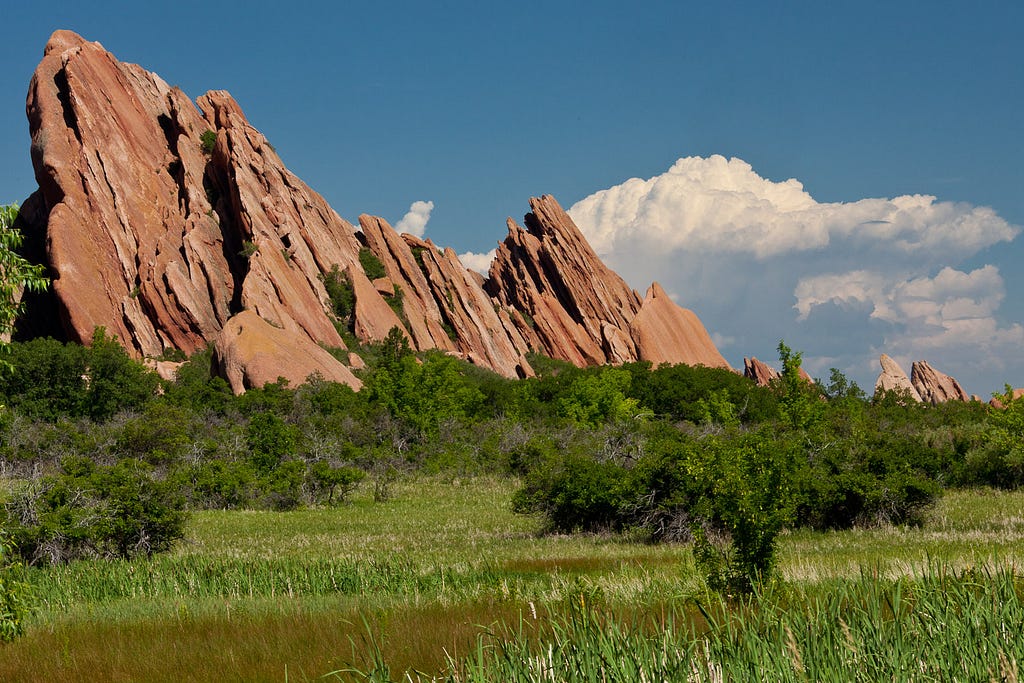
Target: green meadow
point(444, 580)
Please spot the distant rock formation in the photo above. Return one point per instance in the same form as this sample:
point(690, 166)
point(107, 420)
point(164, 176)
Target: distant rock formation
point(763, 374)
point(997, 403)
point(577, 309)
point(174, 226)
point(925, 383)
point(893, 378)
point(934, 386)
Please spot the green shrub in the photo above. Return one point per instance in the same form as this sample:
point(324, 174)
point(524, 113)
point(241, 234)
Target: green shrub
point(340, 293)
point(372, 265)
point(270, 440)
point(88, 510)
point(334, 484)
point(207, 141)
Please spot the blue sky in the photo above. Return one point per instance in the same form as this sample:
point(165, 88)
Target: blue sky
point(475, 107)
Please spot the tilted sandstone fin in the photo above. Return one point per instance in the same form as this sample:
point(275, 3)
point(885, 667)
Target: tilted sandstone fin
point(892, 378)
point(934, 386)
point(580, 310)
point(167, 223)
point(667, 333)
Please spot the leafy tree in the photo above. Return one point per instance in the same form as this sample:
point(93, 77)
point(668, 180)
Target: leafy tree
point(600, 397)
point(13, 606)
point(89, 510)
point(16, 275)
point(798, 398)
point(116, 381)
point(371, 264)
point(270, 440)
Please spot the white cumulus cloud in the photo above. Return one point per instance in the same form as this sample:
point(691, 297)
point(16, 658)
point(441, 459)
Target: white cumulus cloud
point(481, 263)
point(760, 260)
point(415, 220)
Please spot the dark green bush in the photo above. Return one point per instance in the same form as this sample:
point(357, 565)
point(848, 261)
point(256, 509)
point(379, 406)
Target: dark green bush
point(88, 510)
point(207, 141)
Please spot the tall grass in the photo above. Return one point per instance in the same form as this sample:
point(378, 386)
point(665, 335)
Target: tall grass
point(251, 593)
point(940, 626)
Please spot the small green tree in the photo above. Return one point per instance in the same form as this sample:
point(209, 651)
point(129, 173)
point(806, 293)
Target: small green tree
point(16, 275)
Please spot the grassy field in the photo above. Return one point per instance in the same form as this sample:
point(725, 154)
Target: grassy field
point(254, 596)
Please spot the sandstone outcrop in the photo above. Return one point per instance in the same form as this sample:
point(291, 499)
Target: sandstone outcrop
point(172, 224)
point(579, 310)
point(935, 387)
point(250, 352)
point(892, 378)
point(667, 333)
point(761, 373)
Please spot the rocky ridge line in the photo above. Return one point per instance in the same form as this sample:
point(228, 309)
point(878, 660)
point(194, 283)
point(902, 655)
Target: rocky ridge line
point(170, 242)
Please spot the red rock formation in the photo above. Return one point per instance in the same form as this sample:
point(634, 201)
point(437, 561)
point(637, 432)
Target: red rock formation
point(131, 237)
point(761, 373)
point(666, 333)
point(581, 311)
point(477, 327)
point(892, 378)
point(164, 239)
point(250, 352)
point(934, 386)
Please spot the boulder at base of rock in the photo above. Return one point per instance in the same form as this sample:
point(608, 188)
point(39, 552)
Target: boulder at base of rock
point(250, 352)
point(894, 379)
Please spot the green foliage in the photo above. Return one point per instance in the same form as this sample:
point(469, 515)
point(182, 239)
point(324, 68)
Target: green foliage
point(577, 493)
point(599, 397)
point(422, 394)
point(16, 274)
point(798, 398)
point(999, 459)
point(50, 379)
point(746, 483)
point(116, 381)
point(334, 484)
point(249, 249)
point(207, 141)
point(371, 264)
point(270, 441)
point(90, 510)
point(340, 293)
point(676, 391)
point(13, 593)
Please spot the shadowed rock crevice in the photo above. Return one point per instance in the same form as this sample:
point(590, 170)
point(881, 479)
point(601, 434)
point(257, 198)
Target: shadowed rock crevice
point(60, 80)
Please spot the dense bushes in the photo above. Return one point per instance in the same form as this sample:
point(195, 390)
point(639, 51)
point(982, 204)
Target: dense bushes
point(674, 452)
point(90, 510)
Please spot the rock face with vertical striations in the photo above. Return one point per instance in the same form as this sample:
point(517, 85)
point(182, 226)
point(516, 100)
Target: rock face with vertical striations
point(759, 372)
point(174, 225)
point(578, 309)
point(933, 386)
